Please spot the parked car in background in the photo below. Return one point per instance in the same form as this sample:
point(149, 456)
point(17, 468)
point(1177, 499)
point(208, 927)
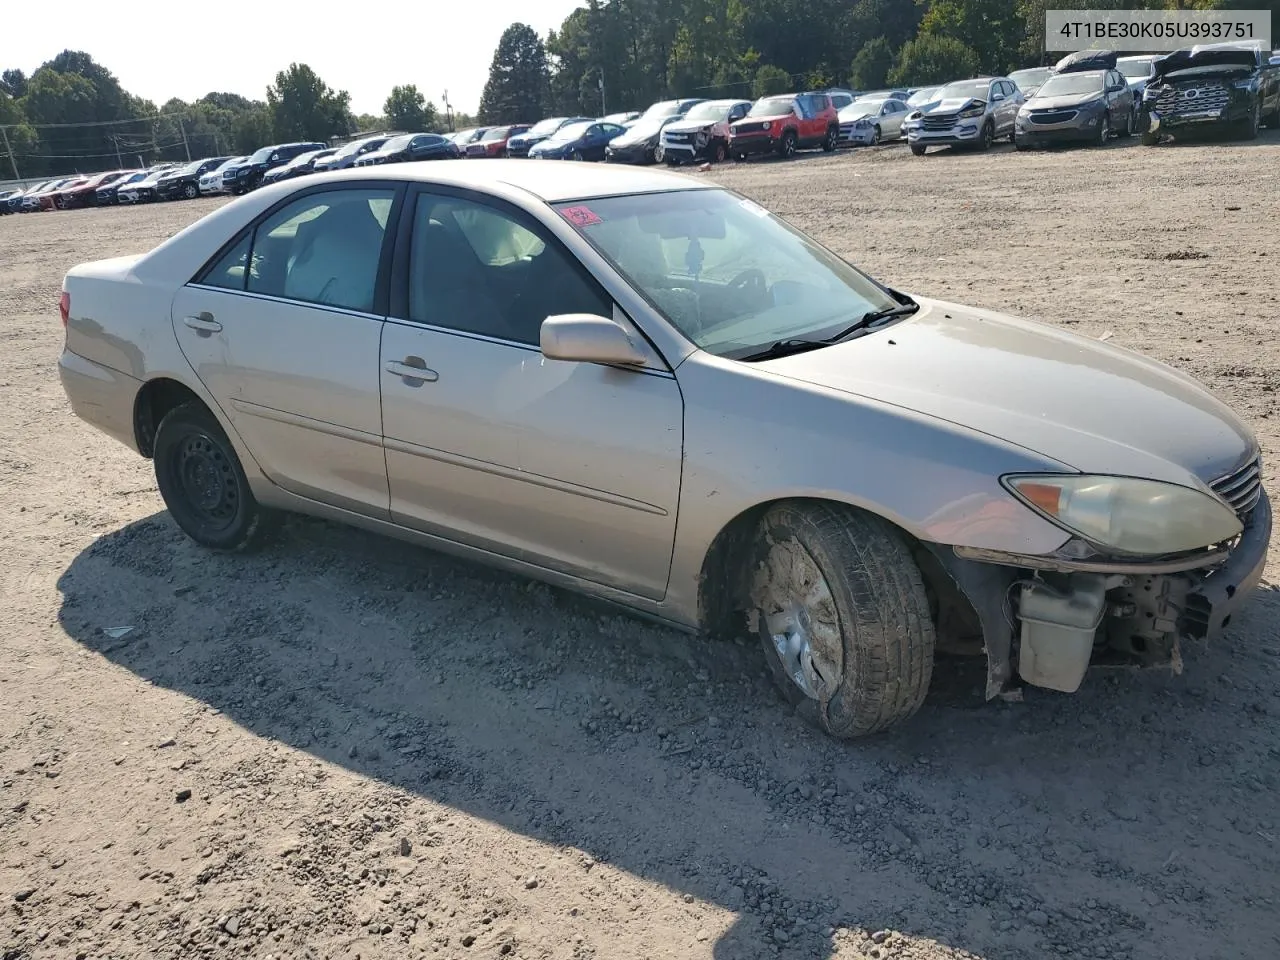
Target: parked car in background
point(944, 471)
point(52, 200)
point(248, 175)
point(622, 119)
point(346, 155)
point(108, 195)
point(869, 120)
point(967, 113)
point(1029, 80)
point(893, 93)
point(85, 194)
point(33, 199)
point(841, 98)
point(639, 142)
point(6, 196)
point(184, 182)
point(13, 203)
point(923, 97)
point(519, 146)
point(494, 141)
point(412, 147)
point(1137, 71)
point(463, 138)
point(214, 181)
point(144, 190)
point(578, 141)
point(702, 133)
point(1215, 87)
point(669, 108)
point(785, 124)
point(300, 165)
point(1079, 107)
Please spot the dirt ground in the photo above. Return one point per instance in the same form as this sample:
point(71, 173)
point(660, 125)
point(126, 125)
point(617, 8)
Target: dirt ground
point(345, 747)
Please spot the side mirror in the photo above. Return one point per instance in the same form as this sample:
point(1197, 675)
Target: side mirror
point(588, 339)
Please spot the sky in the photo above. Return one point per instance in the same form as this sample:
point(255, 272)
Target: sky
point(365, 47)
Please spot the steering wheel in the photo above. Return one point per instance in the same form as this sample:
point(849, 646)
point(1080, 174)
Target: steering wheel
point(752, 279)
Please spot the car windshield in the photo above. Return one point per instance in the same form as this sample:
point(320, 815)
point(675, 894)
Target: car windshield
point(351, 148)
point(263, 155)
point(963, 89)
point(545, 128)
point(771, 107)
point(497, 133)
point(922, 96)
point(1135, 68)
point(643, 129)
point(305, 158)
point(572, 131)
point(190, 168)
point(667, 108)
point(1071, 85)
point(730, 275)
point(233, 162)
point(1030, 77)
point(709, 111)
point(398, 143)
point(861, 108)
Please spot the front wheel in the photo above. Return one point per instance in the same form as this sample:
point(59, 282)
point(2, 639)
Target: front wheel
point(203, 483)
point(577, 155)
point(190, 191)
point(1130, 124)
point(842, 611)
point(1249, 127)
point(720, 153)
point(1104, 130)
point(917, 149)
point(987, 137)
point(787, 146)
point(875, 136)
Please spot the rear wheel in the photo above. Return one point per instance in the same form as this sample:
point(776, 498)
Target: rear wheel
point(577, 155)
point(841, 609)
point(203, 483)
point(832, 138)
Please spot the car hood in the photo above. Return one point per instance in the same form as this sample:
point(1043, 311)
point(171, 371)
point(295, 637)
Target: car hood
point(683, 126)
point(1222, 57)
point(1065, 100)
point(952, 105)
point(1090, 406)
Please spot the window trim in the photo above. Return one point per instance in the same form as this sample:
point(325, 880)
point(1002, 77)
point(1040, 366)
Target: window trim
point(398, 306)
point(382, 283)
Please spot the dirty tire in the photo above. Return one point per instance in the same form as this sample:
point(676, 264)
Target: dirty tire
point(874, 633)
point(987, 137)
point(787, 145)
point(192, 453)
point(832, 139)
point(1150, 139)
point(917, 150)
point(190, 191)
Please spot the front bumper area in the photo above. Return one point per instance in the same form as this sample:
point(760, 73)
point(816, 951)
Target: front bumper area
point(753, 145)
point(640, 154)
point(964, 132)
point(1035, 136)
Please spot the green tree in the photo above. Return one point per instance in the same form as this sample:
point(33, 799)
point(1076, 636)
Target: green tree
point(304, 107)
point(929, 59)
point(519, 78)
point(14, 83)
point(990, 28)
point(770, 80)
point(22, 138)
point(871, 65)
point(252, 129)
point(407, 109)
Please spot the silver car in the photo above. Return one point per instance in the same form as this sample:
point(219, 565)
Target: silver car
point(870, 120)
point(649, 389)
point(972, 113)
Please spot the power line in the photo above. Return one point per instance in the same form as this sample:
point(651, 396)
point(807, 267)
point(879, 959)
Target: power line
point(97, 123)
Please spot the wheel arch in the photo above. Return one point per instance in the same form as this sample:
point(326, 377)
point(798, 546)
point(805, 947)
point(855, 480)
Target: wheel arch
point(156, 398)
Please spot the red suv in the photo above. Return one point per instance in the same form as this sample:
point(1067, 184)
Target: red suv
point(786, 124)
point(494, 141)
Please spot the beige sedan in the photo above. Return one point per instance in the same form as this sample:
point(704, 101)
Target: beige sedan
point(646, 388)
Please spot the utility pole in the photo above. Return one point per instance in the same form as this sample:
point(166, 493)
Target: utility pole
point(603, 109)
point(115, 138)
point(13, 161)
point(185, 146)
point(448, 111)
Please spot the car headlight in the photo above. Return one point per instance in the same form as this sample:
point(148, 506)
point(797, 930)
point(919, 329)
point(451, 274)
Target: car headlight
point(1128, 514)
point(1249, 83)
point(700, 138)
point(972, 112)
point(861, 124)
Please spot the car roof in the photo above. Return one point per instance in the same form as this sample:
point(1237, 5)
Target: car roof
point(548, 181)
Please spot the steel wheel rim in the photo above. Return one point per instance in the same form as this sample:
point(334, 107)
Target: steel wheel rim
point(208, 481)
point(800, 619)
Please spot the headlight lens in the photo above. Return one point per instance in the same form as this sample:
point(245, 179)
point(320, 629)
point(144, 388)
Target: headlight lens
point(972, 112)
point(1249, 83)
point(1126, 513)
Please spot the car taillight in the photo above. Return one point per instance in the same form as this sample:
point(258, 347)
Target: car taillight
point(64, 307)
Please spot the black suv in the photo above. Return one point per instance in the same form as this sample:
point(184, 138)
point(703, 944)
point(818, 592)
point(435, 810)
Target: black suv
point(248, 175)
point(185, 181)
point(1233, 88)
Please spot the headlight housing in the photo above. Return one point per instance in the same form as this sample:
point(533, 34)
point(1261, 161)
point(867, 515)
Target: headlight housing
point(1249, 83)
point(1127, 514)
point(971, 112)
point(862, 123)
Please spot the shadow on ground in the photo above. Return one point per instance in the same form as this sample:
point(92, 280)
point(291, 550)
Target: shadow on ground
point(1009, 830)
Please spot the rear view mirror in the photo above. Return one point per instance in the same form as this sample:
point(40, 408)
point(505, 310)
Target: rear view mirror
point(587, 338)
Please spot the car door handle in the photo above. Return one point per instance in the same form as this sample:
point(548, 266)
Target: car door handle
point(411, 370)
point(203, 323)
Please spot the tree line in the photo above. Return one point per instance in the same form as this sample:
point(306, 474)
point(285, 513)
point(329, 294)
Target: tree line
point(72, 116)
point(614, 55)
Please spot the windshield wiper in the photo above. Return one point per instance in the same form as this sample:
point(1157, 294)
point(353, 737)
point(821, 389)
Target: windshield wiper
point(785, 348)
point(873, 317)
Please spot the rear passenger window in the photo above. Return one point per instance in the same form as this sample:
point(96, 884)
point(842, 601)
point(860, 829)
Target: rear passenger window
point(228, 272)
point(323, 248)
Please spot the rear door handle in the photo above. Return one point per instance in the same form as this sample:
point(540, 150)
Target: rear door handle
point(412, 368)
point(203, 323)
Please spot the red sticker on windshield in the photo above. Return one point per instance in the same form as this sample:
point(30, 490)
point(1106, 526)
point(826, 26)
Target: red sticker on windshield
point(580, 216)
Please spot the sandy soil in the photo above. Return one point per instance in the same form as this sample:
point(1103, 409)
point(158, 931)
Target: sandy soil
point(349, 748)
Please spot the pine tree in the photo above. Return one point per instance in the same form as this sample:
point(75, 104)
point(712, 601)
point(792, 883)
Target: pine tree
point(519, 78)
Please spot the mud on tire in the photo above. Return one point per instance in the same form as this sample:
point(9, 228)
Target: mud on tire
point(848, 582)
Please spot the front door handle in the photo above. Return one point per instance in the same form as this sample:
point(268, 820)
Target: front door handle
point(412, 368)
point(203, 324)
